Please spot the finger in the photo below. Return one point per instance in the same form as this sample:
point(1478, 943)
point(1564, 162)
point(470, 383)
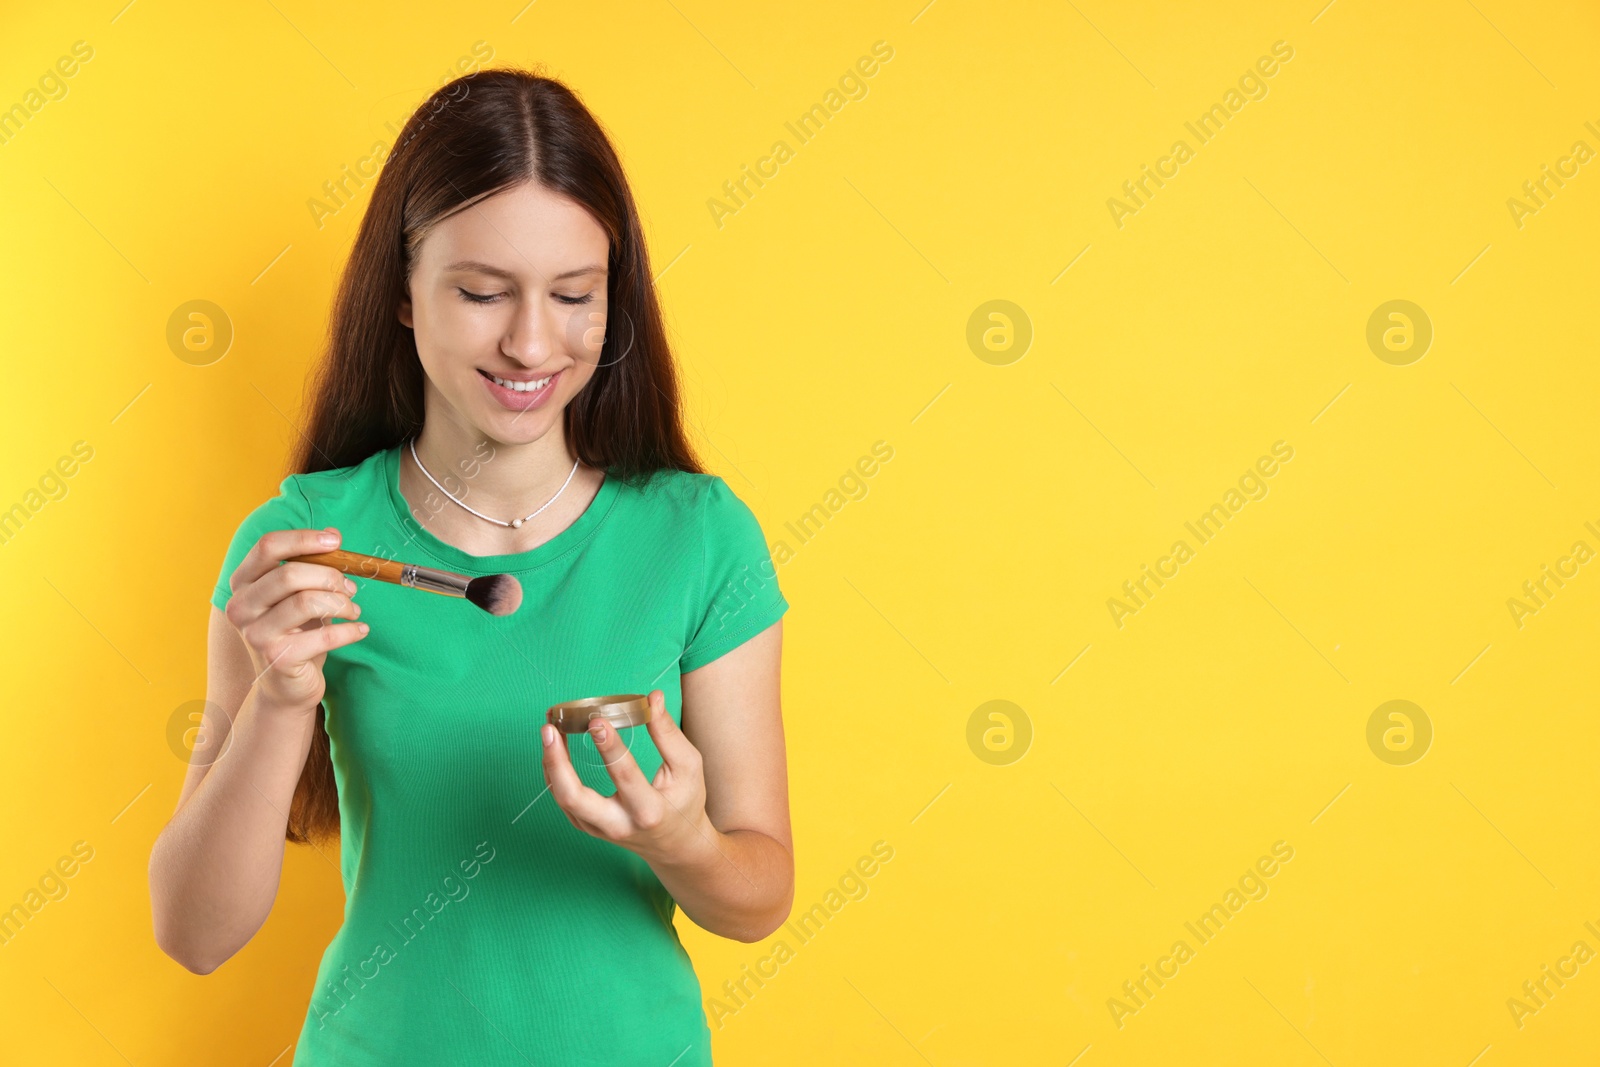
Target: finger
point(677, 751)
point(274, 547)
point(260, 597)
point(583, 827)
point(306, 608)
point(571, 795)
point(293, 577)
point(312, 643)
point(639, 798)
point(290, 654)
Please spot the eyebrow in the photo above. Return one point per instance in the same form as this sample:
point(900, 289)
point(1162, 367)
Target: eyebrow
point(479, 267)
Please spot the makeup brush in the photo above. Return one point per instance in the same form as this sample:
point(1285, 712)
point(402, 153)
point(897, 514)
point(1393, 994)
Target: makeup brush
point(498, 594)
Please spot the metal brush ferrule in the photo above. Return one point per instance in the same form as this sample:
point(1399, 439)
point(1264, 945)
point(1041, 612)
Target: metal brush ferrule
point(434, 581)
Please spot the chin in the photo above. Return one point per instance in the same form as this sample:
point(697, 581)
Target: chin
point(521, 427)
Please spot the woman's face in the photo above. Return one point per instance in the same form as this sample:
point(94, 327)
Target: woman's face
point(513, 287)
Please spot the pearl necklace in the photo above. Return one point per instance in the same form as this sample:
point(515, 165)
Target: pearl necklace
point(514, 523)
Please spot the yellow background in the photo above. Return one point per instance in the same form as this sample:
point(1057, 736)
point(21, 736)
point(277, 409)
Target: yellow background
point(831, 312)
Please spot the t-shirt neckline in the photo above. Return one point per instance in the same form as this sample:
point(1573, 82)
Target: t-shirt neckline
point(418, 536)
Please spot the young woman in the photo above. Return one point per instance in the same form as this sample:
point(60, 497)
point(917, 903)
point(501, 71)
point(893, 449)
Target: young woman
point(498, 397)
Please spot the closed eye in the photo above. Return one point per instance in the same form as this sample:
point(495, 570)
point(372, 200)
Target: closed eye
point(490, 298)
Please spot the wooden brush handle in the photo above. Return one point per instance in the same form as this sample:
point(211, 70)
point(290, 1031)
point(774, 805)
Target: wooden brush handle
point(356, 563)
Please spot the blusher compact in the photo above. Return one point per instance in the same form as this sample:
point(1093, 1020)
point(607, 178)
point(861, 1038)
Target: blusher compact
point(620, 710)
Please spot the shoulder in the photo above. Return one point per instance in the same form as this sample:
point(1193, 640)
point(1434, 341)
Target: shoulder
point(321, 498)
point(304, 502)
point(331, 494)
point(689, 496)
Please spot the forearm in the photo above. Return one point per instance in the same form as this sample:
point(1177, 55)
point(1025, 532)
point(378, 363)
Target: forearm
point(215, 867)
point(738, 884)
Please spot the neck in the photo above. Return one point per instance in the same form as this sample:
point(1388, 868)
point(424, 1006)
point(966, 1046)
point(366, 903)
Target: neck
point(506, 481)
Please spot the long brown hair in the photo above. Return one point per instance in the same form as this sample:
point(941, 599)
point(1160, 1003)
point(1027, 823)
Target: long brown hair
point(479, 134)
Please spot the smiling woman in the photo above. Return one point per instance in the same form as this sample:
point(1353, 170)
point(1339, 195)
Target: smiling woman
point(518, 303)
point(472, 321)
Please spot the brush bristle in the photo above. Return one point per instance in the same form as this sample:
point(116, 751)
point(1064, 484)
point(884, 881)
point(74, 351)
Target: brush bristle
point(498, 594)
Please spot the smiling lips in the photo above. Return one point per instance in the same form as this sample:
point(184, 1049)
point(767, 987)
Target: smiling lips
point(519, 395)
point(519, 384)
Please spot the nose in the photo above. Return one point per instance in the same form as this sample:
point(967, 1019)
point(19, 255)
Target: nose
point(530, 339)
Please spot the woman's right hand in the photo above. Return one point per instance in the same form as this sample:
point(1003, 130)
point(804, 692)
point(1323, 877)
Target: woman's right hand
point(280, 611)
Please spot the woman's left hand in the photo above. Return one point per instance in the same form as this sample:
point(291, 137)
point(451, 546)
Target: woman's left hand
point(661, 819)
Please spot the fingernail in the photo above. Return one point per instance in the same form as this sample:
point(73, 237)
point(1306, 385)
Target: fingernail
point(600, 733)
point(548, 732)
point(349, 587)
point(364, 627)
point(328, 538)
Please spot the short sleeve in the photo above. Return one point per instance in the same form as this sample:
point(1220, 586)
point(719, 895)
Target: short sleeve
point(289, 510)
point(739, 594)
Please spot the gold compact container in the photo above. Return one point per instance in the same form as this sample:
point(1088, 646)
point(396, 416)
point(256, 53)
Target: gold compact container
point(621, 710)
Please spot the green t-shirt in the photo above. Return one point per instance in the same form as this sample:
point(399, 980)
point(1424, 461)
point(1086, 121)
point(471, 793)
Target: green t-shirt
point(479, 925)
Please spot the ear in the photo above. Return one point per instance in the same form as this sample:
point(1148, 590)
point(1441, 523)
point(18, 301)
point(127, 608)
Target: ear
point(405, 313)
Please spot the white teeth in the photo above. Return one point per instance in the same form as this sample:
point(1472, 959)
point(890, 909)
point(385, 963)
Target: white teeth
point(522, 387)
